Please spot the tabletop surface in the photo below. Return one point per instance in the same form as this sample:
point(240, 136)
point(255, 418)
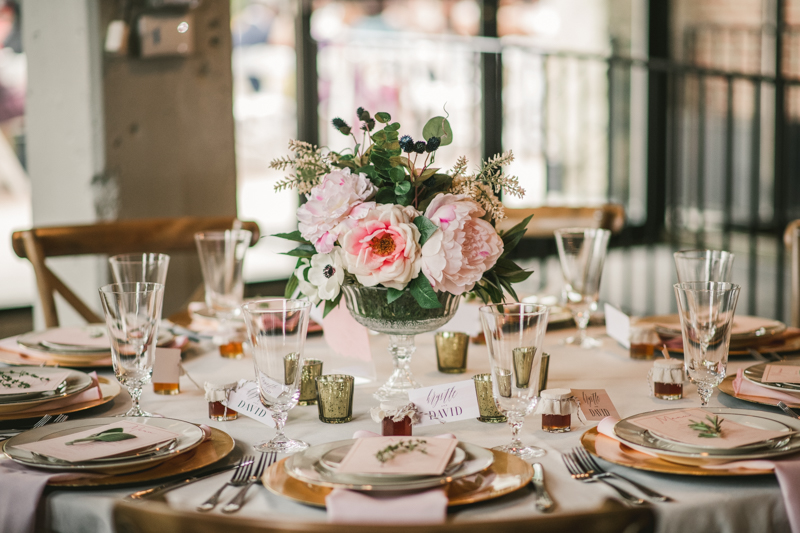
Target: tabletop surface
point(713, 504)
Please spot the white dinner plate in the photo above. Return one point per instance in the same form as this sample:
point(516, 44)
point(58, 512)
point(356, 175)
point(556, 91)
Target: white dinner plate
point(76, 382)
point(189, 437)
point(644, 441)
point(756, 372)
point(329, 463)
point(304, 466)
point(66, 354)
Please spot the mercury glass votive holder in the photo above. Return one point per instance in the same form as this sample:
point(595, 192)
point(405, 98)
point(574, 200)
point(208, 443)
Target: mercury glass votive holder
point(486, 404)
point(545, 369)
point(335, 398)
point(312, 369)
point(451, 352)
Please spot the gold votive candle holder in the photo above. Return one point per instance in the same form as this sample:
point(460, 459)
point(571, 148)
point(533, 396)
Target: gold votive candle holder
point(523, 365)
point(335, 398)
point(486, 403)
point(312, 369)
point(545, 368)
point(451, 352)
point(290, 367)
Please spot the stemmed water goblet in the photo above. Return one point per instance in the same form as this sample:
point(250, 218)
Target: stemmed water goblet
point(277, 331)
point(514, 335)
point(582, 253)
point(706, 311)
point(703, 265)
point(133, 311)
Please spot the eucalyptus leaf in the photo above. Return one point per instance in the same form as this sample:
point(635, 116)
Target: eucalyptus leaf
point(438, 127)
point(397, 175)
point(423, 293)
point(402, 188)
point(385, 195)
point(382, 117)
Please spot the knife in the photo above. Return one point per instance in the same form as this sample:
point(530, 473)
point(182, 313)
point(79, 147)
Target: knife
point(544, 502)
point(172, 485)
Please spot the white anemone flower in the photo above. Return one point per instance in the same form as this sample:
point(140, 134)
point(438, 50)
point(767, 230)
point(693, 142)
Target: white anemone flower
point(327, 273)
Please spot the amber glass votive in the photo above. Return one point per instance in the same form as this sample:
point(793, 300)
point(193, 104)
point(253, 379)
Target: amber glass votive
point(335, 398)
point(312, 369)
point(486, 403)
point(451, 352)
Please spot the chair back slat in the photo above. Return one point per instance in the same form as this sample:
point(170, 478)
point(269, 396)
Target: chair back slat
point(792, 240)
point(547, 219)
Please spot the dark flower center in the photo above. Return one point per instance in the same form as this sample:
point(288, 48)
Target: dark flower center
point(383, 246)
point(328, 271)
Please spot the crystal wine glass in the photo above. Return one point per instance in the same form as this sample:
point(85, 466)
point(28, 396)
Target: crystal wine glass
point(142, 268)
point(514, 335)
point(221, 259)
point(582, 252)
point(133, 311)
point(703, 265)
point(277, 331)
point(706, 310)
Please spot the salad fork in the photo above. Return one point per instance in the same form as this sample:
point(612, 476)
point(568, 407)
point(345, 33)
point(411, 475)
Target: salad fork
point(592, 467)
point(240, 478)
point(580, 474)
point(264, 461)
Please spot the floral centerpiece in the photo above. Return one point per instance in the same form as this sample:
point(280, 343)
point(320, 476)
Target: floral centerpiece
point(400, 237)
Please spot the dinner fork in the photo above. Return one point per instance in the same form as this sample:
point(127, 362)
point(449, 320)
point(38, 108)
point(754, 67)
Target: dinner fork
point(578, 473)
point(592, 467)
point(264, 461)
point(238, 479)
point(785, 408)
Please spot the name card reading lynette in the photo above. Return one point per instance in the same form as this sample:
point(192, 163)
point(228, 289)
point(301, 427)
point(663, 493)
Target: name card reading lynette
point(446, 403)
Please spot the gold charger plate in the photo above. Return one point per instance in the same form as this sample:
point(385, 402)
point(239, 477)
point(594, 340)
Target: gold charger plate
point(109, 388)
point(209, 452)
point(727, 387)
point(615, 452)
point(507, 474)
point(744, 327)
point(17, 359)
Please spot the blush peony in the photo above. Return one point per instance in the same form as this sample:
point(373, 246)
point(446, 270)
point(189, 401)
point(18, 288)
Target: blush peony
point(465, 246)
point(383, 247)
point(339, 196)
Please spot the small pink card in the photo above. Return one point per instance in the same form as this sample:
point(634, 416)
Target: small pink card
point(145, 436)
point(777, 373)
point(13, 381)
point(430, 456)
point(595, 404)
point(675, 426)
point(167, 366)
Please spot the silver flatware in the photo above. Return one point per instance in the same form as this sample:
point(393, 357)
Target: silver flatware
point(580, 474)
point(160, 490)
point(264, 461)
point(238, 479)
point(785, 408)
point(543, 500)
point(592, 467)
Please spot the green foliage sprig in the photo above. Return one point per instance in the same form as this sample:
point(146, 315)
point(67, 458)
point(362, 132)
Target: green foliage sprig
point(712, 431)
point(109, 435)
point(7, 380)
point(406, 446)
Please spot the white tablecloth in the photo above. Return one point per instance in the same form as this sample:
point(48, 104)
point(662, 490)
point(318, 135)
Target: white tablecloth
point(702, 504)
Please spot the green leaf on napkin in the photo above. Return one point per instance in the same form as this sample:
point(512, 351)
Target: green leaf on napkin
point(708, 431)
point(109, 435)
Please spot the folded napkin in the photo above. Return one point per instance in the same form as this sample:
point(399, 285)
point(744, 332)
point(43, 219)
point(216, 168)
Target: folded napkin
point(94, 392)
point(744, 387)
point(348, 506)
point(606, 427)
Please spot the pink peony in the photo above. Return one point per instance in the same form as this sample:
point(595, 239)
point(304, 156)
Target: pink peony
point(465, 246)
point(383, 247)
point(340, 195)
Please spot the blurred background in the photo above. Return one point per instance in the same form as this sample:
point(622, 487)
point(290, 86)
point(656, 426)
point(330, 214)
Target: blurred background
point(685, 112)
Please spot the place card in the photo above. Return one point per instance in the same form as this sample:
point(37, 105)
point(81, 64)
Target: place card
point(778, 373)
point(401, 455)
point(675, 425)
point(14, 381)
point(246, 400)
point(446, 403)
point(167, 366)
point(595, 404)
point(618, 325)
point(144, 435)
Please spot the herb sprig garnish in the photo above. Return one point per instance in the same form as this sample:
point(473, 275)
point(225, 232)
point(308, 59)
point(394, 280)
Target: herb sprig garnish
point(109, 435)
point(408, 446)
point(8, 381)
point(707, 431)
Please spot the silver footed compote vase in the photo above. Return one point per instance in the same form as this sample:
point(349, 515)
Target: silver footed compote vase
point(401, 320)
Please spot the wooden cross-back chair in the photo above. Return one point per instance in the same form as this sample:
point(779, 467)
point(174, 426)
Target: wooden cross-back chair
point(161, 235)
point(547, 219)
point(792, 240)
point(155, 517)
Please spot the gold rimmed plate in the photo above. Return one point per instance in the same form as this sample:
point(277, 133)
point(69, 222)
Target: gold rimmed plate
point(617, 453)
point(506, 475)
point(108, 387)
point(726, 387)
point(755, 374)
point(77, 382)
point(744, 328)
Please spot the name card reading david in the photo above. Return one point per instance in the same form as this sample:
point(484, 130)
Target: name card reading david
point(595, 403)
point(246, 401)
point(446, 403)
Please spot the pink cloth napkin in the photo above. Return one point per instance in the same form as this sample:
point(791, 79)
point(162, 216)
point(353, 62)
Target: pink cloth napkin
point(89, 395)
point(745, 387)
point(606, 427)
point(351, 507)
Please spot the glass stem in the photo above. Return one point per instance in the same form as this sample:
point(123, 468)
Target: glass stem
point(136, 392)
point(515, 423)
point(280, 420)
point(705, 390)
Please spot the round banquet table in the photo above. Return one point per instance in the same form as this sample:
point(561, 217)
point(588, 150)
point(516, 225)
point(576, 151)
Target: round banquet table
point(727, 504)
